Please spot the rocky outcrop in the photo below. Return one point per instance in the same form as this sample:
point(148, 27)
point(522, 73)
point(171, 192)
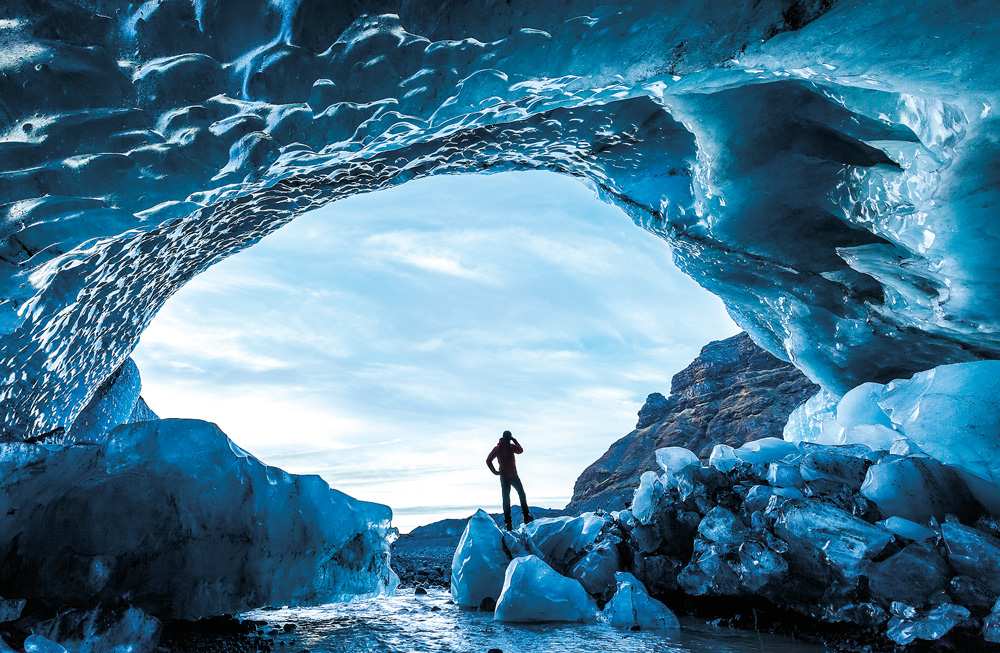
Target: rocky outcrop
point(733, 392)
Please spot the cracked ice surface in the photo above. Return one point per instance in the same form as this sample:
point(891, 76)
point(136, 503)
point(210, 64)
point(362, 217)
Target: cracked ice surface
point(833, 182)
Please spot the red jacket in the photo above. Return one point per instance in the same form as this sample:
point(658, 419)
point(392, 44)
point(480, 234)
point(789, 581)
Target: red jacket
point(504, 454)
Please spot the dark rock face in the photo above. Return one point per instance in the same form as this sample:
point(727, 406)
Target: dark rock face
point(733, 392)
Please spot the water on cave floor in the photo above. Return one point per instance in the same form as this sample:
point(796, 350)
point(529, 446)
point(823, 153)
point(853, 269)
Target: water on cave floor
point(405, 622)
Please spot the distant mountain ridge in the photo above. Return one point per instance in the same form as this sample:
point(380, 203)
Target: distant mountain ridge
point(733, 392)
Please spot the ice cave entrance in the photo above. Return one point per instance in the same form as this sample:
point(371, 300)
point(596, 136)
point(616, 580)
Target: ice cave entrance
point(383, 341)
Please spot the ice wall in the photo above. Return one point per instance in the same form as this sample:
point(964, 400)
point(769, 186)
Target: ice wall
point(172, 517)
point(826, 168)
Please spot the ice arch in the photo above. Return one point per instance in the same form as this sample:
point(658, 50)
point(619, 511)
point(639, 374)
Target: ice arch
point(826, 168)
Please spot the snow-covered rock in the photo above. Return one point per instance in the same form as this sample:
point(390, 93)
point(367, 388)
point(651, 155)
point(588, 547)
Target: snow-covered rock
point(632, 607)
point(479, 563)
point(534, 592)
point(176, 519)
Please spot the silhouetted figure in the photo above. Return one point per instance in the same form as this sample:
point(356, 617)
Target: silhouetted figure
point(504, 453)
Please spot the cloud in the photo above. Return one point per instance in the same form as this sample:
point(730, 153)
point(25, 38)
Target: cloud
point(426, 252)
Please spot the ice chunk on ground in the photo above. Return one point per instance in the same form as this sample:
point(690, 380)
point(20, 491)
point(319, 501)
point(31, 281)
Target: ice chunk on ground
point(759, 565)
point(723, 458)
point(846, 541)
point(633, 608)
point(10, 609)
point(991, 624)
point(39, 644)
point(910, 575)
point(560, 540)
point(647, 497)
point(917, 489)
point(673, 459)
point(973, 553)
point(479, 562)
point(765, 451)
point(175, 517)
point(127, 630)
point(908, 625)
point(784, 475)
point(834, 463)
point(596, 570)
point(906, 529)
point(534, 592)
point(722, 526)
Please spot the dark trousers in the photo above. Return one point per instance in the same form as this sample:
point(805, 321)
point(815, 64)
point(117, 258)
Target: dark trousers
point(506, 483)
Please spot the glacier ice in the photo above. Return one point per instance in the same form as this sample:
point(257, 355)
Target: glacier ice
point(917, 489)
point(947, 413)
point(479, 563)
point(765, 451)
point(909, 625)
point(561, 540)
point(126, 630)
point(534, 592)
point(907, 529)
point(673, 459)
point(847, 541)
point(632, 607)
point(646, 497)
point(831, 183)
point(173, 517)
point(39, 644)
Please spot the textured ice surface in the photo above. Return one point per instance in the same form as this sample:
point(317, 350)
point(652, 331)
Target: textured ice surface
point(534, 592)
point(908, 625)
point(949, 413)
point(907, 529)
point(560, 540)
point(632, 607)
point(647, 496)
point(126, 630)
point(174, 517)
point(673, 459)
point(845, 540)
point(832, 182)
point(39, 644)
point(765, 451)
point(917, 489)
point(479, 563)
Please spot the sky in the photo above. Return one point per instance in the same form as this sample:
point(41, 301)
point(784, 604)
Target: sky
point(385, 341)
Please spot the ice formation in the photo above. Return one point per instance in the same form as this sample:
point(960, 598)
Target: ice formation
point(633, 607)
point(479, 563)
point(534, 592)
point(174, 518)
point(832, 182)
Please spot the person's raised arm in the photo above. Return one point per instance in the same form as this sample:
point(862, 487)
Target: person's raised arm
point(489, 462)
point(516, 446)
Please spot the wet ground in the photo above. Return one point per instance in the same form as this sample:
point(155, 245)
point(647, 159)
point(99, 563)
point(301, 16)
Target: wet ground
point(431, 623)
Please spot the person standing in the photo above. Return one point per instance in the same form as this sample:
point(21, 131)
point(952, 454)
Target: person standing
point(507, 447)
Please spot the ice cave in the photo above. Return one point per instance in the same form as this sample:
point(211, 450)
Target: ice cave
point(828, 168)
